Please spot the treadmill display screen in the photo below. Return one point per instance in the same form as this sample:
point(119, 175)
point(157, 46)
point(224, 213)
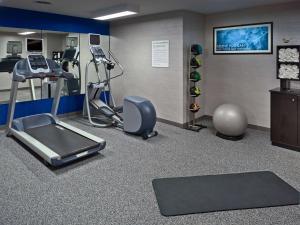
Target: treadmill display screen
point(94, 39)
point(34, 45)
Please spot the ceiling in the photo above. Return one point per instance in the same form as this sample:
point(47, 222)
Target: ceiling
point(85, 8)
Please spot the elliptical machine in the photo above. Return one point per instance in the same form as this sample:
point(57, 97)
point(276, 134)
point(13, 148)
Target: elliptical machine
point(138, 114)
point(71, 56)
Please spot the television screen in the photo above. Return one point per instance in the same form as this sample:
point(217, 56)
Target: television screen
point(34, 45)
point(94, 39)
point(14, 47)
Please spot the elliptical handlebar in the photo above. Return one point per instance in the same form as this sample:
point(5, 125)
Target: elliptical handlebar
point(99, 57)
point(118, 64)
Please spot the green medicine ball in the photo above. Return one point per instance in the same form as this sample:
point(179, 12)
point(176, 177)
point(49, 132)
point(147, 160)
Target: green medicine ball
point(195, 76)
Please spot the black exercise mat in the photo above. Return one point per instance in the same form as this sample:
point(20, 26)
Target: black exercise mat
point(200, 194)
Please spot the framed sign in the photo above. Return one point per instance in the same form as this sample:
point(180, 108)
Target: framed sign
point(244, 39)
point(160, 53)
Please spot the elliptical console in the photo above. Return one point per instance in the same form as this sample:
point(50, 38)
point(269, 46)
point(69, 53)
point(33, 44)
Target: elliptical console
point(99, 57)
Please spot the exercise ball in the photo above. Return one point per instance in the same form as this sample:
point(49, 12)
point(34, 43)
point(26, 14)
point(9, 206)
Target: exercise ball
point(230, 121)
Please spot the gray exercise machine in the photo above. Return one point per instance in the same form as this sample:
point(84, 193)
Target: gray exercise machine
point(54, 141)
point(71, 58)
point(138, 114)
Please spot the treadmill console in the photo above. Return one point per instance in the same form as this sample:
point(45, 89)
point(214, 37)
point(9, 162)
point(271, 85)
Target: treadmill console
point(38, 64)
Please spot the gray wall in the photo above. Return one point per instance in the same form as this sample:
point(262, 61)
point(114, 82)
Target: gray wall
point(246, 79)
point(131, 42)
point(241, 79)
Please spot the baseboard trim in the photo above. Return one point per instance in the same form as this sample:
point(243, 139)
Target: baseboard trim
point(169, 122)
point(251, 126)
point(181, 125)
point(207, 117)
point(255, 127)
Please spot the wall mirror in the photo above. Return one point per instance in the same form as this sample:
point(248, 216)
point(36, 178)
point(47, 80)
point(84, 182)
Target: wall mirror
point(70, 50)
point(17, 43)
point(64, 48)
point(13, 47)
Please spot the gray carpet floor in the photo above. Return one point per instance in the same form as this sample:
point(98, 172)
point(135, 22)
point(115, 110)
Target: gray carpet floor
point(115, 188)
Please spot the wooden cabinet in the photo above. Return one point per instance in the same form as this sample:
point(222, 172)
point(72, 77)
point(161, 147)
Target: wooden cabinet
point(285, 118)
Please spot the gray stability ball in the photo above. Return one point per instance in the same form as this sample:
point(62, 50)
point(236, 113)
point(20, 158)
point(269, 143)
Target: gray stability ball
point(230, 120)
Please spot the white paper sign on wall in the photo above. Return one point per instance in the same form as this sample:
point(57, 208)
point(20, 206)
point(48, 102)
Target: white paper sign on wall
point(160, 53)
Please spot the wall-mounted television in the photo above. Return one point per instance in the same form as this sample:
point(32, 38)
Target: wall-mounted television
point(34, 44)
point(94, 39)
point(244, 39)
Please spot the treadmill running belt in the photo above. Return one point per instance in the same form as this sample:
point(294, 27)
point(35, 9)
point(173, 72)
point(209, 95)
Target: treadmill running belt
point(61, 140)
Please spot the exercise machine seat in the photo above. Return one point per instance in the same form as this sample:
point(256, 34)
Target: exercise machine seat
point(139, 115)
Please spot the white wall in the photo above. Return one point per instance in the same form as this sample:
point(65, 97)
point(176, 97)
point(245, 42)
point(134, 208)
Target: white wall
point(247, 79)
point(131, 42)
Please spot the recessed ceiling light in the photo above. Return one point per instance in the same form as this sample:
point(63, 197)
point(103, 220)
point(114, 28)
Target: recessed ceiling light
point(43, 2)
point(116, 11)
point(115, 15)
point(26, 33)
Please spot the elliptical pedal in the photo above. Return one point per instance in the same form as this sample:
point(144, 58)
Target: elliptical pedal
point(118, 109)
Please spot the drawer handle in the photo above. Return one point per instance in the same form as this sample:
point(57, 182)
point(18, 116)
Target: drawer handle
point(293, 100)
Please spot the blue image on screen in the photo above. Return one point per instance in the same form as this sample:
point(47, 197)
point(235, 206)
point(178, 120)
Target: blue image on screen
point(243, 39)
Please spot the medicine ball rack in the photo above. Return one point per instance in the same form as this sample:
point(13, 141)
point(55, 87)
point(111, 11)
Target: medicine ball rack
point(194, 76)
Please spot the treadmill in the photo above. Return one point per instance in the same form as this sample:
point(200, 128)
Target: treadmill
point(55, 141)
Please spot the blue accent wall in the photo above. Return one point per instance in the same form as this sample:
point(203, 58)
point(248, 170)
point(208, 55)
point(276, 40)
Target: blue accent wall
point(20, 18)
point(67, 104)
